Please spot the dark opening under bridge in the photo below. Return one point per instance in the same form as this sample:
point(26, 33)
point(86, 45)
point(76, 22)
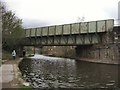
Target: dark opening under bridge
point(82, 33)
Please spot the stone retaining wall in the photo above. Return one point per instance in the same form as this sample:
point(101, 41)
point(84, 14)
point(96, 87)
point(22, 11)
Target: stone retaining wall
point(107, 51)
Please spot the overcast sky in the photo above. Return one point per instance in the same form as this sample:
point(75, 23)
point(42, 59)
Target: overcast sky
point(35, 13)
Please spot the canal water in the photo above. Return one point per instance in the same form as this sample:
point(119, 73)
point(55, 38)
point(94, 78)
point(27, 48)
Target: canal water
point(50, 72)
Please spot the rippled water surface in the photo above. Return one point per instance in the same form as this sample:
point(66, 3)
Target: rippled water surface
point(48, 72)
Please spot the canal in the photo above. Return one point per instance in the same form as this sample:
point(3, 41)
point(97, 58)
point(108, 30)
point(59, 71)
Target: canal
point(50, 72)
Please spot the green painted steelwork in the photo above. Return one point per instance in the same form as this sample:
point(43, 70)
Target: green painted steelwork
point(75, 28)
point(62, 40)
point(69, 34)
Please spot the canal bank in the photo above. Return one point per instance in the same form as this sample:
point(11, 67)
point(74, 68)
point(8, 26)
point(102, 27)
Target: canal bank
point(11, 75)
point(99, 61)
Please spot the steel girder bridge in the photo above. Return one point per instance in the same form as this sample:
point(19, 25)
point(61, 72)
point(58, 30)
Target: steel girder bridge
point(81, 33)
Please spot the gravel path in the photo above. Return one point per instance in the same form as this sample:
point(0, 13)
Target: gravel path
point(10, 74)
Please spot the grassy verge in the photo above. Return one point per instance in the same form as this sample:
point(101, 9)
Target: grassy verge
point(23, 87)
point(6, 55)
point(0, 62)
point(21, 80)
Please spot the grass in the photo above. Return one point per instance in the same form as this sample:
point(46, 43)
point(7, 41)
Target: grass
point(0, 62)
point(23, 87)
point(6, 55)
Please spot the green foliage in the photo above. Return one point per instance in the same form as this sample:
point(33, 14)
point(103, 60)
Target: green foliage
point(6, 55)
point(12, 30)
point(22, 87)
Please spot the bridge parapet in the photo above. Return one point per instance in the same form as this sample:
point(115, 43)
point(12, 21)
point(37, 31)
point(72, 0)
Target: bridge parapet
point(70, 29)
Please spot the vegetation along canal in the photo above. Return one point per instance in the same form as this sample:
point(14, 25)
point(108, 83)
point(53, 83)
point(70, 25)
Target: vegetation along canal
point(49, 72)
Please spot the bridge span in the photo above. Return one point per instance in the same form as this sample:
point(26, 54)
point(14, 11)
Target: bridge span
point(82, 33)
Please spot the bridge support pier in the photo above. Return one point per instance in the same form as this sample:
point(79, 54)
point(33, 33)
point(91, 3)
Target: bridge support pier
point(37, 50)
point(108, 53)
point(41, 49)
point(20, 51)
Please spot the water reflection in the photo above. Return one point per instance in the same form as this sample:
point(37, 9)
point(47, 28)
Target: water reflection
point(66, 73)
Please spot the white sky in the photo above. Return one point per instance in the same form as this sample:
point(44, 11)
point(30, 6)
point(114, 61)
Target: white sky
point(52, 12)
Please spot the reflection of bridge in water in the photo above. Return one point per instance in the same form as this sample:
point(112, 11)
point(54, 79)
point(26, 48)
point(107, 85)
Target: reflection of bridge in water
point(95, 40)
point(69, 34)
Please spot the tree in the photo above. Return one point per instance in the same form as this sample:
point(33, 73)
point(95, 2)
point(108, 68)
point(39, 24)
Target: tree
point(80, 19)
point(12, 31)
